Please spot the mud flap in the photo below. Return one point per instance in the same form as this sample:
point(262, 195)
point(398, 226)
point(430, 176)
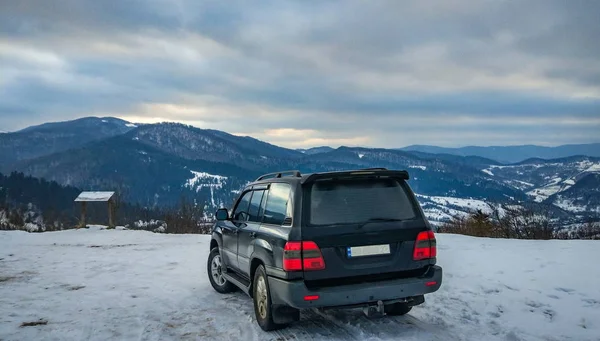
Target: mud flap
point(417, 300)
point(283, 314)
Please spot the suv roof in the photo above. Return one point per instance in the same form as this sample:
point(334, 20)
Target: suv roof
point(296, 176)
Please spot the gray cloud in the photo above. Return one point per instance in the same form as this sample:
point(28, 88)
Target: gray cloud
point(380, 73)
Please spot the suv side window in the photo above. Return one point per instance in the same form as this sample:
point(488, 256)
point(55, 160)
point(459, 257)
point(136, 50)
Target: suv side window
point(254, 211)
point(278, 206)
point(241, 210)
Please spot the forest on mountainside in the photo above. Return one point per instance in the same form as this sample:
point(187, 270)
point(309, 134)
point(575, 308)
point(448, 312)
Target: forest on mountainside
point(38, 205)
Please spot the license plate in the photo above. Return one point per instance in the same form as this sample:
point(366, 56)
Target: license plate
point(369, 250)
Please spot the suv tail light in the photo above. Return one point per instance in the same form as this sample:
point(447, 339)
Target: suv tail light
point(298, 256)
point(425, 246)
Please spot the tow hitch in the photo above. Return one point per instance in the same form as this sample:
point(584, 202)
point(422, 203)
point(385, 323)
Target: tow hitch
point(375, 310)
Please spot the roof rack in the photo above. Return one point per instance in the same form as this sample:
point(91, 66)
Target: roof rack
point(294, 173)
point(370, 172)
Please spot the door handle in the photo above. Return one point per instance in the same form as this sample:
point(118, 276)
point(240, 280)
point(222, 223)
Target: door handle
point(252, 234)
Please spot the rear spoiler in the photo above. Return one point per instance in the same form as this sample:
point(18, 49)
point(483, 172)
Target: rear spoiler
point(376, 173)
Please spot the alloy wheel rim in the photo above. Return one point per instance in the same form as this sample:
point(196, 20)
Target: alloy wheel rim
point(261, 297)
point(216, 271)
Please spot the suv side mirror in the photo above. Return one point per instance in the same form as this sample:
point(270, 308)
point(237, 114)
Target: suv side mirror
point(222, 214)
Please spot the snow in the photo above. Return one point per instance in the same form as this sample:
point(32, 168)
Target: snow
point(569, 205)
point(202, 180)
point(470, 204)
point(519, 184)
point(487, 171)
point(440, 209)
point(130, 125)
point(95, 196)
point(593, 168)
point(541, 194)
point(104, 121)
point(556, 185)
point(360, 156)
point(134, 285)
point(588, 166)
point(419, 167)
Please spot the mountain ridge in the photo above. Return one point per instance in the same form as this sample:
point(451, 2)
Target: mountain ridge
point(512, 154)
point(156, 164)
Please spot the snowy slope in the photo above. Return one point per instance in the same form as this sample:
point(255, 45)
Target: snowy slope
point(541, 179)
point(440, 209)
point(202, 180)
point(130, 285)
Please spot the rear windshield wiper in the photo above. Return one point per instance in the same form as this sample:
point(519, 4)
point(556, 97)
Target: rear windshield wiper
point(377, 220)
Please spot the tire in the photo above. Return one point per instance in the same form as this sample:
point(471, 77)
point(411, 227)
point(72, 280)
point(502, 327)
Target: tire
point(397, 309)
point(214, 268)
point(261, 296)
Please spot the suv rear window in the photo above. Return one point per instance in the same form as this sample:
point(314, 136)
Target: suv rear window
point(358, 201)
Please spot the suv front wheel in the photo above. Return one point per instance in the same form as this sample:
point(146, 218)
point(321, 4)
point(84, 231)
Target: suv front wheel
point(215, 269)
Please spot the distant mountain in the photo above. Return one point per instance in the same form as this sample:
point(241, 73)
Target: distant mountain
point(156, 165)
point(583, 197)
point(252, 144)
point(104, 125)
point(144, 174)
point(50, 138)
point(211, 145)
point(474, 161)
point(512, 154)
point(430, 176)
point(555, 181)
point(315, 150)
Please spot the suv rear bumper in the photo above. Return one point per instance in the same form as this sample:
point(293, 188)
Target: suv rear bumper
point(293, 293)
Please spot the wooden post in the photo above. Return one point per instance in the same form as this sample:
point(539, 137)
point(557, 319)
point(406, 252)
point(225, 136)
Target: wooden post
point(82, 223)
point(111, 223)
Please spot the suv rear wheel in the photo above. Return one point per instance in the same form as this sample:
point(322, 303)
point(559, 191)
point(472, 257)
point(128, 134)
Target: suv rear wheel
point(262, 301)
point(215, 269)
point(397, 309)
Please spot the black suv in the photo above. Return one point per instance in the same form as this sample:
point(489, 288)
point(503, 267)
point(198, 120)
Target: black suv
point(345, 239)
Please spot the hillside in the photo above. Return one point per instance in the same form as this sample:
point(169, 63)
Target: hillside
point(142, 173)
point(429, 176)
point(210, 145)
point(40, 205)
point(51, 138)
point(134, 285)
point(155, 165)
point(582, 197)
point(315, 150)
point(541, 179)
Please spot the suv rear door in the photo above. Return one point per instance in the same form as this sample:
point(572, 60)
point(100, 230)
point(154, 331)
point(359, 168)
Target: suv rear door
point(365, 226)
point(247, 233)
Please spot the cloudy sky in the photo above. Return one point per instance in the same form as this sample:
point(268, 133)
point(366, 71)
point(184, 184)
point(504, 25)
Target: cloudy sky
point(308, 73)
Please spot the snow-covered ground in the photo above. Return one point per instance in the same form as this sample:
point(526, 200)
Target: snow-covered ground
point(132, 285)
